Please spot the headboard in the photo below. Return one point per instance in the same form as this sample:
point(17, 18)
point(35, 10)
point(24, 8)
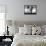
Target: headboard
point(21, 23)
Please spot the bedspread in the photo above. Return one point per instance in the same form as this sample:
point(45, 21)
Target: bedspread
point(29, 40)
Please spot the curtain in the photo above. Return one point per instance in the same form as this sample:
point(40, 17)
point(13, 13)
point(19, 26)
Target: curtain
point(2, 19)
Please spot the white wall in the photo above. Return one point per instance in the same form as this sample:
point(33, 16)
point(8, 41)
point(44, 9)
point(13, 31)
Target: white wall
point(15, 9)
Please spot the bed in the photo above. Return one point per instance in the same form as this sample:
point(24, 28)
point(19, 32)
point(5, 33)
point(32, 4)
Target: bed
point(21, 39)
point(29, 40)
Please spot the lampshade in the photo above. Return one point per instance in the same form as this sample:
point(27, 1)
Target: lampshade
point(9, 22)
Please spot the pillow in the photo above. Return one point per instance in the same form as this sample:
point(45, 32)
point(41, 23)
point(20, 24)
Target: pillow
point(44, 29)
point(21, 30)
point(28, 26)
point(13, 30)
point(24, 30)
point(28, 31)
point(36, 30)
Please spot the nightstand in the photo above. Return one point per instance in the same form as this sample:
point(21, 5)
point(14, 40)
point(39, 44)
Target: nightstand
point(6, 40)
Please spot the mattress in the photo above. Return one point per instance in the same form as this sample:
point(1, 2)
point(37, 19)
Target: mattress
point(28, 40)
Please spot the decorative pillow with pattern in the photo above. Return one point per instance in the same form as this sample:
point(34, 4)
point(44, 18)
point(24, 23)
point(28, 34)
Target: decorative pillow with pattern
point(36, 30)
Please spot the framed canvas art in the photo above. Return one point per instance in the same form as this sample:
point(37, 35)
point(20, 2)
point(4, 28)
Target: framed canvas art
point(30, 9)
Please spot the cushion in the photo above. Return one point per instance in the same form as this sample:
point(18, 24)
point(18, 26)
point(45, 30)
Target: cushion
point(44, 26)
point(13, 30)
point(24, 30)
point(44, 29)
point(21, 30)
point(28, 31)
point(28, 26)
point(36, 30)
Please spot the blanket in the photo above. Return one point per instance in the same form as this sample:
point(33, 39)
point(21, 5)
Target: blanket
point(29, 40)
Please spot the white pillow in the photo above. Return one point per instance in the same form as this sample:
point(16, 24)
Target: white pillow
point(43, 30)
point(21, 30)
point(36, 30)
point(44, 26)
point(28, 26)
point(13, 30)
point(24, 30)
point(28, 31)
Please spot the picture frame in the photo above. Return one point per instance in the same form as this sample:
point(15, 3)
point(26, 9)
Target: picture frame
point(30, 9)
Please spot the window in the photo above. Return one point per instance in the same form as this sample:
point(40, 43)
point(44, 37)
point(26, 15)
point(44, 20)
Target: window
point(2, 19)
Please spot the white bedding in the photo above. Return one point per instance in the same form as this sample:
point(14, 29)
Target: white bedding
point(29, 40)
